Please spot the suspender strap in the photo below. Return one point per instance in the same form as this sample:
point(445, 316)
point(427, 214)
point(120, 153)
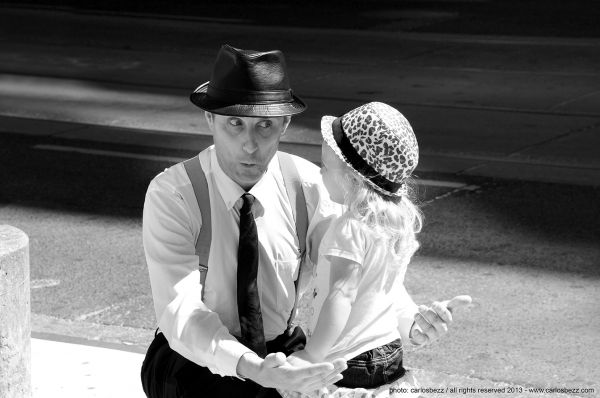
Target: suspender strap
point(293, 186)
point(198, 179)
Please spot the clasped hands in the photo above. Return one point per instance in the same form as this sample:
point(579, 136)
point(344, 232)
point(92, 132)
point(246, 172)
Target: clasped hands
point(290, 373)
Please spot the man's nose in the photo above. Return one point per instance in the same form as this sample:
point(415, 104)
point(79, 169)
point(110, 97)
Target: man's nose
point(250, 146)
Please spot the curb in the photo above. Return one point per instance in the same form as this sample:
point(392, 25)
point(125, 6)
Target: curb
point(122, 338)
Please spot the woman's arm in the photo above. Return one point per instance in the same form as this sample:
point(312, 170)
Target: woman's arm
point(344, 280)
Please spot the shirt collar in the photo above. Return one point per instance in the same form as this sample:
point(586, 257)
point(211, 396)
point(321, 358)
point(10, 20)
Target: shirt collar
point(231, 192)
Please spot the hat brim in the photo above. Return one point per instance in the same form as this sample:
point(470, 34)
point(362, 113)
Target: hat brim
point(328, 137)
point(202, 100)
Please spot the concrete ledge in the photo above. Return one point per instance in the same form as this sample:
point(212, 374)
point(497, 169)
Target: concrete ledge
point(93, 334)
point(15, 304)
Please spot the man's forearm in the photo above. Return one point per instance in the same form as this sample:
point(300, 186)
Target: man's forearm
point(248, 366)
point(198, 334)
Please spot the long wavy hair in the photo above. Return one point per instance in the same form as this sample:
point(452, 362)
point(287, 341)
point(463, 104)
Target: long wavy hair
point(397, 220)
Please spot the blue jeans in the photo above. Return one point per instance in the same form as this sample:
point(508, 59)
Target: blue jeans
point(374, 368)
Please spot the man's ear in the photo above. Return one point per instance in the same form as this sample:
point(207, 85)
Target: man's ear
point(286, 123)
point(210, 119)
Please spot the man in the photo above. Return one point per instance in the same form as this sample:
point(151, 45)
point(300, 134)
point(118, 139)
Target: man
point(227, 335)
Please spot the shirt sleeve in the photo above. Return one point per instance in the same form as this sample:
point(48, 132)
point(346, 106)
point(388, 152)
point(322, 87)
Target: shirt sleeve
point(190, 327)
point(345, 239)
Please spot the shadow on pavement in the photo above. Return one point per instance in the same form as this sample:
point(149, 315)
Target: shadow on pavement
point(535, 225)
point(545, 226)
point(79, 182)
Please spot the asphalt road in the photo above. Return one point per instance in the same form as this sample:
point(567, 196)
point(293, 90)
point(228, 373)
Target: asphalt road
point(520, 108)
point(528, 253)
point(558, 18)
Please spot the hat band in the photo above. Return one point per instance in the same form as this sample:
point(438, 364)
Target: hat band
point(249, 97)
point(360, 165)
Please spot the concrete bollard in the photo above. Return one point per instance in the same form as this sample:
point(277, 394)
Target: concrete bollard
point(15, 314)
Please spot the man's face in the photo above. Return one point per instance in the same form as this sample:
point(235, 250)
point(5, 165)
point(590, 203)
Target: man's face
point(246, 145)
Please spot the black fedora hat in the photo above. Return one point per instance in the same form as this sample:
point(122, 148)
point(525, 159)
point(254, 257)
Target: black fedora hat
point(248, 83)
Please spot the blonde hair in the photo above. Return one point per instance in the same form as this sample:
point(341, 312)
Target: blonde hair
point(397, 220)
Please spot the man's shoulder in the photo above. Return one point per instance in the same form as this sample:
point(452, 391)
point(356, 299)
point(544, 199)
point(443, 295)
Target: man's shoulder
point(171, 178)
point(176, 175)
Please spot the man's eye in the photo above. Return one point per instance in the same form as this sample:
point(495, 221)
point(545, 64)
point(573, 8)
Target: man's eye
point(265, 124)
point(235, 121)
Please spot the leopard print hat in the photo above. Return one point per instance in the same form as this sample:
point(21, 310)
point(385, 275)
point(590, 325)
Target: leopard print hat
point(377, 142)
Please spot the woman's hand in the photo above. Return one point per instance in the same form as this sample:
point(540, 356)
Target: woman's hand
point(432, 322)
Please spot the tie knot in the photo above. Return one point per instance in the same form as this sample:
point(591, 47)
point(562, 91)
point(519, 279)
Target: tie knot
point(248, 201)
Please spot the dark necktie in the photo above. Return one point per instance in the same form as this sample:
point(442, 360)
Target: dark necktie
point(251, 324)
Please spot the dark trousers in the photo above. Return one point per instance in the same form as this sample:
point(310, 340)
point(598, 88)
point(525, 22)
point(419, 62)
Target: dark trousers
point(166, 374)
point(374, 368)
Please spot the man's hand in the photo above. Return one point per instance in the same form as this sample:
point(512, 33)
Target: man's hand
point(294, 374)
point(432, 322)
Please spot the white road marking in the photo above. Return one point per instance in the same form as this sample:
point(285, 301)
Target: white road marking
point(83, 317)
point(440, 183)
point(116, 154)
point(41, 283)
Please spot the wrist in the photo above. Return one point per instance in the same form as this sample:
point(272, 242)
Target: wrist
point(248, 365)
point(311, 356)
point(411, 337)
point(410, 334)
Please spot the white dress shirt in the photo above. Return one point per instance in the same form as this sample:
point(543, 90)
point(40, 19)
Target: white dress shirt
point(201, 329)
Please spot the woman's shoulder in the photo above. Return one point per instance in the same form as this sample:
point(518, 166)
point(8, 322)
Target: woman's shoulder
point(348, 227)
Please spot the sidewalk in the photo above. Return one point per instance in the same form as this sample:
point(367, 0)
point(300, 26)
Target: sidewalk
point(512, 108)
point(96, 371)
point(84, 371)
